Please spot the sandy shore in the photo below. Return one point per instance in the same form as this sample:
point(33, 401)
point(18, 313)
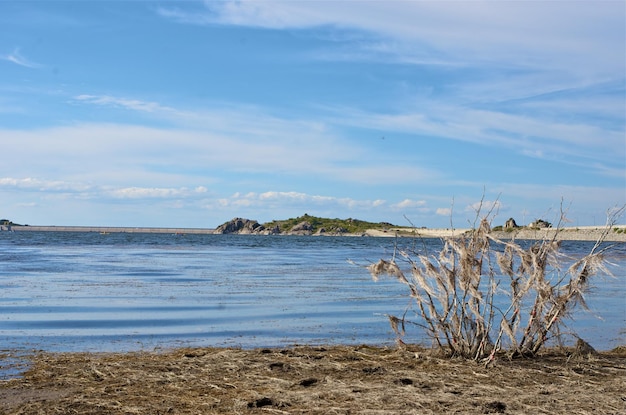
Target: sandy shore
point(315, 380)
point(583, 233)
point(586, 233)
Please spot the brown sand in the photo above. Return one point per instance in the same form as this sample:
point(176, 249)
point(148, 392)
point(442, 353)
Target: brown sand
point(316, 380)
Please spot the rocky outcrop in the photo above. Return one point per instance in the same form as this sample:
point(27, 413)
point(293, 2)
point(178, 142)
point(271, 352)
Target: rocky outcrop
point(540, 224)
point(333, 231)
point(510, 224)
point(240, 226)
point(243, 226)
point(302, 228)
point(273, 231)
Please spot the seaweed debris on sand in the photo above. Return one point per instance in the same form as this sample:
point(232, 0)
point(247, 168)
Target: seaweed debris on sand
point(315, 380)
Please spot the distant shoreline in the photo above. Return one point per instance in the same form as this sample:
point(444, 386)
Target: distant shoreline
point(582, 233)
point(106, 229)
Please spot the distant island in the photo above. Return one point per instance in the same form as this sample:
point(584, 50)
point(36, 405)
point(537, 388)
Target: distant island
point(303, 225)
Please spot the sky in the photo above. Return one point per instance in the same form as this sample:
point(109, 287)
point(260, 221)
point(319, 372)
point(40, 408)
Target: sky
point(424, 113)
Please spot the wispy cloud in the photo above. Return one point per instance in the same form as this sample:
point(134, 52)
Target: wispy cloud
point(540, 80)
point(258, 14)
point(34, 184)
point(596, 147)
point(444, 211)
point(83, 190)
point(477, 31)
point(238, 138)
point(409, 204)
point(17, 58)
point(154, 192)
point(485, 206)
point(248, 138)
point(297, 200)
point(251, 201)
point(132, 104)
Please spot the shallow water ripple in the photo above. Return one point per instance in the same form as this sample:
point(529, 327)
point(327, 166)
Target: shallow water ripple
point(92, 292)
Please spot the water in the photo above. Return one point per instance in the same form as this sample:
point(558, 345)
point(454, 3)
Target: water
point(120, 292)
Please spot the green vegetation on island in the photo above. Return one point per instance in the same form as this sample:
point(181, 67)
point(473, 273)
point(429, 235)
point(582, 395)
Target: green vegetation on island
point(327, 225)
point(7, 222)
point(302, 225)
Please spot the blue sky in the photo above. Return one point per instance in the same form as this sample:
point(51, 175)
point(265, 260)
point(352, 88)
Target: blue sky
point(187, 114)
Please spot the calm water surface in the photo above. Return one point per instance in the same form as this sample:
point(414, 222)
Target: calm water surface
point(90, 292)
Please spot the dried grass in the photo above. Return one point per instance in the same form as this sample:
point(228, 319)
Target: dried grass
point(454, 292)
point(315, 380)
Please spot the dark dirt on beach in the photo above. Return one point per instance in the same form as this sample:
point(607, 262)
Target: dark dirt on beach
point(316, 380)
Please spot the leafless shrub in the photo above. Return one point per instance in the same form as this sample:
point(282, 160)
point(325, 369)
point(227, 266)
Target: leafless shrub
point(458, 293)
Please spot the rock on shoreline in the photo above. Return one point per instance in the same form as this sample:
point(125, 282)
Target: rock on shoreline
point(243, 226)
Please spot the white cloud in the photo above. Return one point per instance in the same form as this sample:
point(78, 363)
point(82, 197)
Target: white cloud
point(409, 204)
point(259, 14)
point(528, 50)
point(485, 206)
point(296, 200)
point(523, 51)
point(276, 142)
point(153, 192)
point(34, 184)
point(295, 196)
point(539, 34)
point(575, 142)
point(17, 58)
point(444, 211)
point(82, 190)
point(132, 104)
point(235, 139)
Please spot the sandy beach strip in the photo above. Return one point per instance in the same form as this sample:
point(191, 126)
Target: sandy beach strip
point(582, 233)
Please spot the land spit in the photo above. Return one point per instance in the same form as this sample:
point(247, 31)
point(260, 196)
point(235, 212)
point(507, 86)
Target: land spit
point(583, 233)
point(107, 229)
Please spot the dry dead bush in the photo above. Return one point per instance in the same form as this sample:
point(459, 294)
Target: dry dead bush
point(457, 294)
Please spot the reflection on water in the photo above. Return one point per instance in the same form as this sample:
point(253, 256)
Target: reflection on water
point(92, 292)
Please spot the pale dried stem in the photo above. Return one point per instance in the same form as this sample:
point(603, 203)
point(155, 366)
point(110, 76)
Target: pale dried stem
point(455, 292)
